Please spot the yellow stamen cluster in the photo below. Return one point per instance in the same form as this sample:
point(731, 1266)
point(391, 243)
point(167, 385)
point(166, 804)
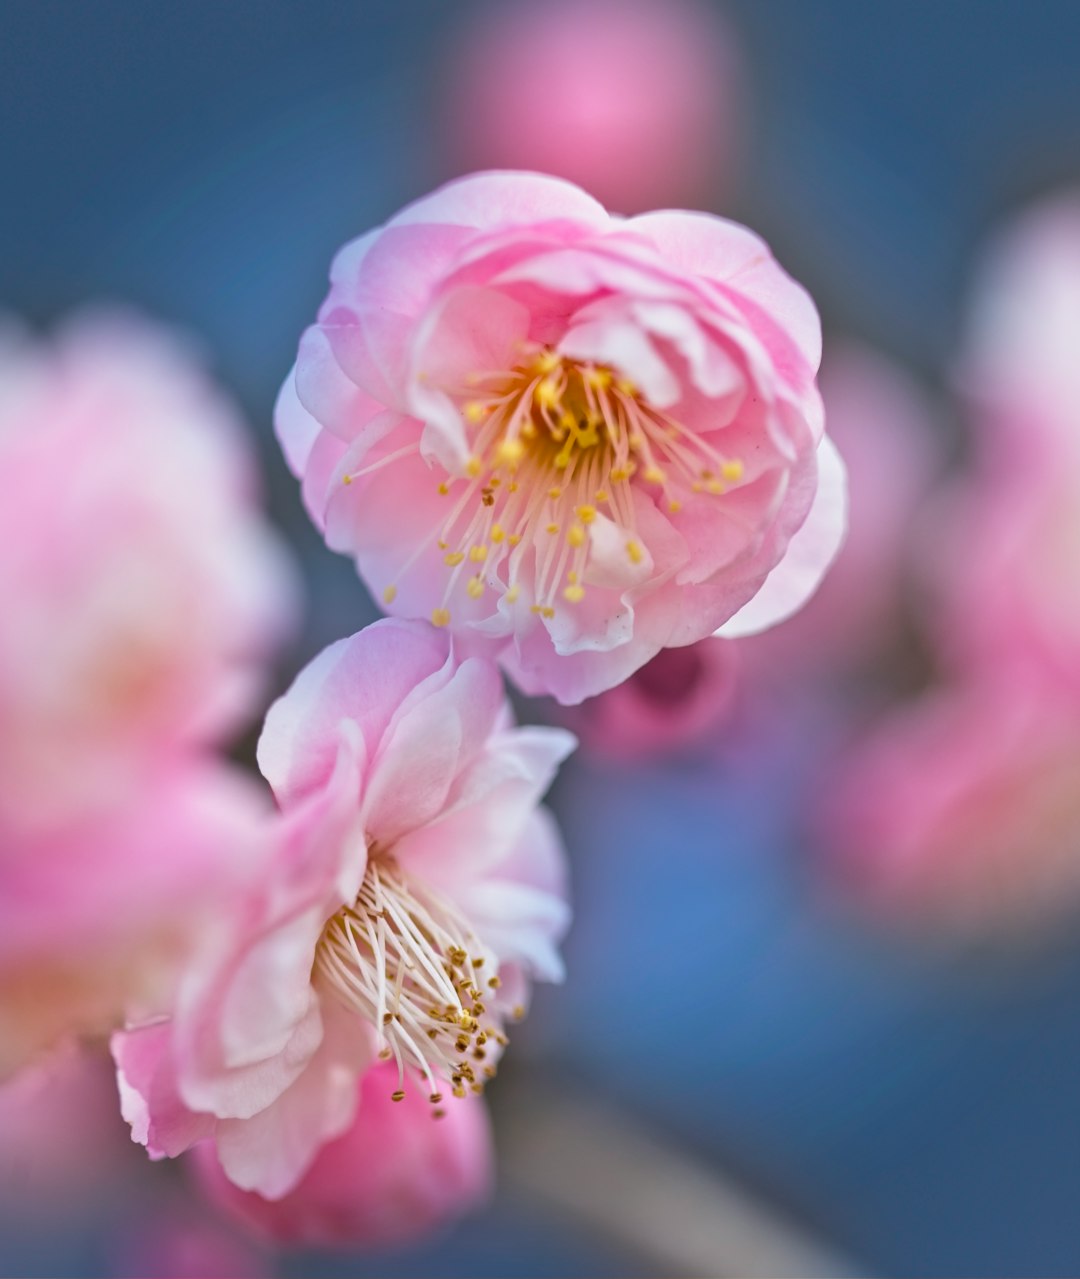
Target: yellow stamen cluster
point(405, 960)
point(553, 441)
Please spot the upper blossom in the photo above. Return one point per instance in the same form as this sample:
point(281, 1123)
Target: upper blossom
point(573, 438)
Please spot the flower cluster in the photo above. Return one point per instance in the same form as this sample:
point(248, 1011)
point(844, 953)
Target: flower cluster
point(556, 442)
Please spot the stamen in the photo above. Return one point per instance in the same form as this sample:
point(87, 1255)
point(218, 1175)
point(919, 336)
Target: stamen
point(552, 440)
point(401, 957)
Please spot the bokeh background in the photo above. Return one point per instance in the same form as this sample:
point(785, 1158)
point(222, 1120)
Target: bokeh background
point(901, 1104)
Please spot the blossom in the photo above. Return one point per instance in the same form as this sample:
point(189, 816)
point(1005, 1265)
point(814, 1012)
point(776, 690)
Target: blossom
point(414, 888)
point(525, 89)
point(145, 592)
point(574, 439)
point(98, 913)
point(393, 1176)
point(673, 701)
point(962, 807)
point(1009, 532)
point(144, 595)
point(884, 425)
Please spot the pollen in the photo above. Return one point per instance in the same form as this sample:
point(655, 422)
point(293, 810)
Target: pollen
point(392, 959)
point(551, 440)
point(389, 595)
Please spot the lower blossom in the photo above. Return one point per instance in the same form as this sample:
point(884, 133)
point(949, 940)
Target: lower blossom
point(414, 888)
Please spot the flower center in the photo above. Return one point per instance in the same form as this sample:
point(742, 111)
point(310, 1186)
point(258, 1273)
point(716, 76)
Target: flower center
point(404, 959)
point(556, 444)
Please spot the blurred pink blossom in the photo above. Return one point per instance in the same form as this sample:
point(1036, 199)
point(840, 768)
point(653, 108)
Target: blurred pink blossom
point(672, 702)
point(412, 844)
point(1009, 531)
point(145, 591)
point(171, 1239)
point(573, 439)
point(962, 808)
point(638, 100)
point(883, 425)
point(393, 1177)
point(62, 1141)
point(144, 595)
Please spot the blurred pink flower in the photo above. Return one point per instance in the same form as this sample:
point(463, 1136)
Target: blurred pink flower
point(143, 595)
point(884, 427)
point(963, 808)
point(62, 1141)
point(650, 121)
point(97, 914)
point(672, 702)
point(576, 440)
point(392, 1178)
point(145, 591)
point(171, 1240)
point(416, 885)
point(1009, 534)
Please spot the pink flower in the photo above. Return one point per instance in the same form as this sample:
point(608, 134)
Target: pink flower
point(651, 122)
point(673, 701)
point(97, 914)
point(143, 596)
point(415, 887)
point(963, 808)
point(884, 426)
point(393, 1177)
point(145, 593)
point(171, 1240)
point(1007, 554)
point(63, 1146)
point(576, 440)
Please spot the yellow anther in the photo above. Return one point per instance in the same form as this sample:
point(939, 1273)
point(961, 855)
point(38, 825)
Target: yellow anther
point(478, 553)
point(714, 486)
point(444, 488)
point(732, 471)
point(599, 379)
point(654, 475)
point(440, 617)
point(514, 538)
point(555, 493)
point(575, 593)
point(497, 532)
point(547, 612)
point(547, 393)
point(346, 479)
point(494, 983)
point(621, 473)
point(398, 1094)
point(602, 495)
point(475, 411)
point(454, 558)
point(553, 528)
point(513, 593)
point(634, 551)
point(474, 465)
point(510, 452)
point(576, 536)
point(567, 421)
point(674, 506)
point(475, 587)
point(536, 608)
point(636, 441)
point(586, 514)
point(519, 1011)
point(389, 595)
point(435, 1098)
point(626, 386)
point(546, 362)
